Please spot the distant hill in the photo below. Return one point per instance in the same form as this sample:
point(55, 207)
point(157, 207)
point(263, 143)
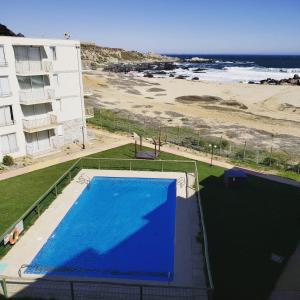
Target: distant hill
point(91, 53)
point(4, 31)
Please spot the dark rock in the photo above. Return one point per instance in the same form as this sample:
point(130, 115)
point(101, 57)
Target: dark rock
point(171, 75)
point(199, 70)
point(160, 73)
point(181, 77)
point(195, 78)
point(290, 81)
point(251, 82)
point(148, 75)
point(140, 67)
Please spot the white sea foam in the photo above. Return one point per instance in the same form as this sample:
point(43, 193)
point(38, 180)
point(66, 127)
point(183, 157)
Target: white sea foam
point(232, 74)
point(240, 74)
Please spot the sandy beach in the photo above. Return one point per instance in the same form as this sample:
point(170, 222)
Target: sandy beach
point(262, 115)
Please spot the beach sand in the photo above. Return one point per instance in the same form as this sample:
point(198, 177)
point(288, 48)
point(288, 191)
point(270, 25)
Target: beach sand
point(262, 115)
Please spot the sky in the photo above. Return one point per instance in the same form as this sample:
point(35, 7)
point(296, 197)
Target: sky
point(164, 26)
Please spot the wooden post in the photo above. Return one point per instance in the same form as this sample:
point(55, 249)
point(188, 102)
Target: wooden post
point(4, 287)
point(135, 148)
point(72, 290)
point(220, 150)
point(271, 154)
point(141, 142)
point(38, 210)
point(141, 292)
point(244, 153)
point(159, 139)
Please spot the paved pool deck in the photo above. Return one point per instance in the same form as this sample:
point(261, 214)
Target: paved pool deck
point(189, 260)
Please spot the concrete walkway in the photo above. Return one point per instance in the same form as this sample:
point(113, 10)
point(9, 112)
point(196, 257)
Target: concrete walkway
point(107, 140)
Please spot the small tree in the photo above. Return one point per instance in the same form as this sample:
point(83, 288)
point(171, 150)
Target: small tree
point(8, 160)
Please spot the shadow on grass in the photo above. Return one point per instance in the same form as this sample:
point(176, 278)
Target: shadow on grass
point(245, 226)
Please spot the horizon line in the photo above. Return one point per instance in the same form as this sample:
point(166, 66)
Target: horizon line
point(258, 54)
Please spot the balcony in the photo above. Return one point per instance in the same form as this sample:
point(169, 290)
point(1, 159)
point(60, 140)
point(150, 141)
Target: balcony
point(3, 64)
point(33, 67)
point(36, 96)
point(40, 124)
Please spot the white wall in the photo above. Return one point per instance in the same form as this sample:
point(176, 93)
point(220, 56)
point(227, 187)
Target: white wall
point(68, 67)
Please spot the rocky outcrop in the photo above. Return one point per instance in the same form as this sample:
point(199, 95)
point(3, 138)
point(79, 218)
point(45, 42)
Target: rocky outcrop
point(96, 55)
point(295, 80)
point(153, 68)
point(4, 31)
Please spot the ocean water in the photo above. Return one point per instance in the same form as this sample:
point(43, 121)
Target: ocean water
point(117, 228)
point(240, 68)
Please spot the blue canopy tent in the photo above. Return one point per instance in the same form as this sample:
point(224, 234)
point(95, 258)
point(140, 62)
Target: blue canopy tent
point(235, 178)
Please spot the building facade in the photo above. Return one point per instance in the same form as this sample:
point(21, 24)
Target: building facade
point(41, 96)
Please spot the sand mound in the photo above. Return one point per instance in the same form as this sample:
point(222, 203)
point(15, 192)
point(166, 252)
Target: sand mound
point(208, 100)
point(193, 99)
point(289, 108)
point(234, 103)
point(155, 90)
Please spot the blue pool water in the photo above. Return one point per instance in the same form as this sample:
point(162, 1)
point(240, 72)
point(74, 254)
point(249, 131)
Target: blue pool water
point(117, 228)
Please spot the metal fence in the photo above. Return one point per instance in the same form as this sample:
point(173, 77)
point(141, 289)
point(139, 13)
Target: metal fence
point(64, 289)
point(244, 152)
point(140, 292)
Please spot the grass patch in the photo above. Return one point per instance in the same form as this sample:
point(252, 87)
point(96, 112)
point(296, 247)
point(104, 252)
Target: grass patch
point(188, 136)
point(244, 226)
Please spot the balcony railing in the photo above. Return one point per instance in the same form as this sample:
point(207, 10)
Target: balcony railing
point(36, 96)
point(5, 94)
point(44, 123)
point(33, 67)
point(3, 64)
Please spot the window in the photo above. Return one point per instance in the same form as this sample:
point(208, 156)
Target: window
point(4, 86)
point(6, 115)
point(25, 53)
point(2, 57)
point(8, 143)
point(31, 82)
point(53, 53)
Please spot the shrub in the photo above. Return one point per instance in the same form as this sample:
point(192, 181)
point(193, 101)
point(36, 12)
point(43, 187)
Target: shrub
point(8, 160)
point(269, 161)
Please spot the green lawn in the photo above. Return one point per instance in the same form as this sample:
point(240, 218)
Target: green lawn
point(244, 226)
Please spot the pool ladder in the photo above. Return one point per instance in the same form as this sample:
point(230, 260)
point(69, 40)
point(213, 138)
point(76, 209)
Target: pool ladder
point(181, 181)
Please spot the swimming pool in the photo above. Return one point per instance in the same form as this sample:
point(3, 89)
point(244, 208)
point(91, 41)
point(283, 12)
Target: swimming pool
point(118, 228)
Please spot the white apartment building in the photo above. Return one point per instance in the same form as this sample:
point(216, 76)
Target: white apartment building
point(41, 96)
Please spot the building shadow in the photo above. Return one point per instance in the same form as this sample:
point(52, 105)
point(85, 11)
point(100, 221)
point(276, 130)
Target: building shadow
point(245, 226)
